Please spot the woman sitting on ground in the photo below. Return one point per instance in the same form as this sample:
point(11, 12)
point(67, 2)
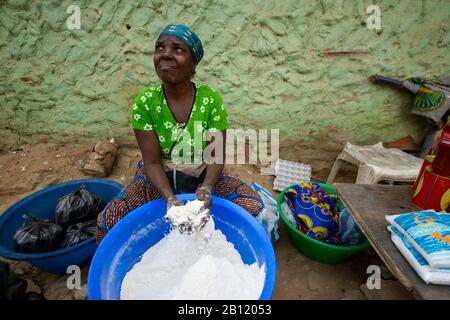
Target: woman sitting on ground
point(168, 119)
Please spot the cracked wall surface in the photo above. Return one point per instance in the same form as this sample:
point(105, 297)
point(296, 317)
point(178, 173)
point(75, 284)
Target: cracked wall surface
point(301, 66)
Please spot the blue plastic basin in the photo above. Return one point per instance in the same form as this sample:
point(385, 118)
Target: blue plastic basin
point(42, 204)
point(125, 244)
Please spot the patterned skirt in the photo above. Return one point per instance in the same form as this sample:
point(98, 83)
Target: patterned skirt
point(140, 191)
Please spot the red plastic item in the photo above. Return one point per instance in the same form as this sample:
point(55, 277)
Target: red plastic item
point(432, 192)
point(441, 164)
point(426, 163)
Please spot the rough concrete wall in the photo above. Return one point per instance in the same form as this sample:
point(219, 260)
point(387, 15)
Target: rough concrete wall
point(274, 63)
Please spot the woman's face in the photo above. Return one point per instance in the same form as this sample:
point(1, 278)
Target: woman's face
point(173, 60)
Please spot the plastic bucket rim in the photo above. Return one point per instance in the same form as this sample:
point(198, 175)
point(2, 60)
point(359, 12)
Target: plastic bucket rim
point(354, 248)
point(20, 256)
point(45, 255)
point(269, 282)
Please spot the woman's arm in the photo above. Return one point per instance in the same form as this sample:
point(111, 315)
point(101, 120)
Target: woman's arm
point(213, 172)
point(151, 155)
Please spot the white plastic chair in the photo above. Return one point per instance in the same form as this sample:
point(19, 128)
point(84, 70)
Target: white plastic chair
point(377, 163)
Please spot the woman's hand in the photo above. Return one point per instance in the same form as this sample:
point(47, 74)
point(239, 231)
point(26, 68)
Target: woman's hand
point(204, 193)
point(173, 201)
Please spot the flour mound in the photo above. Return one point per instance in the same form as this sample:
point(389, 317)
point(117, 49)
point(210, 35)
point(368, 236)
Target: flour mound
point(188, 214)
point(202, 266)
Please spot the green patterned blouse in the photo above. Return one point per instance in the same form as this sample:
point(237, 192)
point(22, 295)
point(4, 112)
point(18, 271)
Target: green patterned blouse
point(151, 112)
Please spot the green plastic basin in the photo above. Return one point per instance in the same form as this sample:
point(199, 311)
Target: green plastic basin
point(312, 248)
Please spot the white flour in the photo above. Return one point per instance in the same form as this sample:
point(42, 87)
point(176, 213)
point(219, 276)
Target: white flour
point(189, 213)
point(192, 267)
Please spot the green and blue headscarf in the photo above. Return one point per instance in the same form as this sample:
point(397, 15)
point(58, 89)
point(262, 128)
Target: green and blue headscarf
point(188, 36)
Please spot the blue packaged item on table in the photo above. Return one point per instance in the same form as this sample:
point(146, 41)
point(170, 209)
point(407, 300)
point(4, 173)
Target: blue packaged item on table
point(428, 232)
point(418, 263)
point(314, 210)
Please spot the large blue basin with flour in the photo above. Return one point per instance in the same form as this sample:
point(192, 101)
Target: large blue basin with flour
point(131, 237)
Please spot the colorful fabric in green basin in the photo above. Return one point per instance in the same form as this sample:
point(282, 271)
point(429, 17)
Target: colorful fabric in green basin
point(314, 211)
point(312, 248)
point(151, 112)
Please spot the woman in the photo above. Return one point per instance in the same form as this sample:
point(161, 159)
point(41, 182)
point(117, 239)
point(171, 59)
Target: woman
point(163, 116)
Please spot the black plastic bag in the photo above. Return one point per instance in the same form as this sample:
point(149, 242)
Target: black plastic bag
point(78, 206)
point(12, 287)
point(16, 288)
point(79, 232)
point(37, 235)
point(34, 296)
point(4, 276)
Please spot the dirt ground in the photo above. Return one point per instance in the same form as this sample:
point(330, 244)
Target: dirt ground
point(33, 167)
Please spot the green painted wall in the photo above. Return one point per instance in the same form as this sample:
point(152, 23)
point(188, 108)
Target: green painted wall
point(270, 60)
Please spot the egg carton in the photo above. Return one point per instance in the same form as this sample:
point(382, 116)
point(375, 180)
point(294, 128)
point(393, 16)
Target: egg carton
point(290, 172)
point(281, 184)
point(291, 166)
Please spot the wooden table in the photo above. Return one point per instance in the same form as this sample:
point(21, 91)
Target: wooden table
point(368, 205)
